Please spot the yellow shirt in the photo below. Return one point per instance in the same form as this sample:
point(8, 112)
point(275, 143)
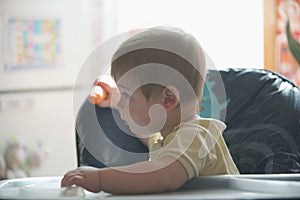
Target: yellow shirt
point(199, 146)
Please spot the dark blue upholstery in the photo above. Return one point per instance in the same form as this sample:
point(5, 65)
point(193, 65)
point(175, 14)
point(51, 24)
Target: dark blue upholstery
point(102, 139)
point(263, 120)
point(261, 110)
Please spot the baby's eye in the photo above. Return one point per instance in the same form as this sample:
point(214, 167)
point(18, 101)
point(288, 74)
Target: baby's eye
point(125, 95)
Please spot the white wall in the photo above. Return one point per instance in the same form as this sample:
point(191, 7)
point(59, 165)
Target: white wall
point(230, 31)
point(74, 45)
point(36, 105)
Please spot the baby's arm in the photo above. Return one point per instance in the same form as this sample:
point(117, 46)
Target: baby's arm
point(161, 175)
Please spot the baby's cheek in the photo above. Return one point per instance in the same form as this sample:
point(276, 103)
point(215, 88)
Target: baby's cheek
point(139, 116)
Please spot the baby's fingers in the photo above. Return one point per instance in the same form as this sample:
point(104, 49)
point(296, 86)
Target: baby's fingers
point(71, 178)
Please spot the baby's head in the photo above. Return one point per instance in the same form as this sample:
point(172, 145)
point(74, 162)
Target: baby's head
point(165, 65)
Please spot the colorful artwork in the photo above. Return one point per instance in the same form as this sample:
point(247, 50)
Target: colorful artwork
point(287, 10)
point(32, 43)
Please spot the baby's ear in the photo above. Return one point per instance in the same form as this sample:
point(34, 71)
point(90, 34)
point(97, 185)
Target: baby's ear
point(170, 97)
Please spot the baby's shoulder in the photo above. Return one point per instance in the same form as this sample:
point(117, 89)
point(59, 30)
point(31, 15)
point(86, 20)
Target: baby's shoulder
point(211, 123)
point(203, 124)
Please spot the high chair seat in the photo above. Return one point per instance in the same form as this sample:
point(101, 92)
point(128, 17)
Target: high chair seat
point(260, 108)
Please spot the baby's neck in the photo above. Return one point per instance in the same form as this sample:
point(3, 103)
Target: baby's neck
point(175, 121)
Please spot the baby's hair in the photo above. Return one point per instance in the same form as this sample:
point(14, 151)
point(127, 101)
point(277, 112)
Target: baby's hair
point(162, 45)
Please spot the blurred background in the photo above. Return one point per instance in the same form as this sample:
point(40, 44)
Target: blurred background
point(43, 44)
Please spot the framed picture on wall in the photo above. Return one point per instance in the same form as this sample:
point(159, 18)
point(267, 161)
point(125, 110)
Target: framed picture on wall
point(32, 43)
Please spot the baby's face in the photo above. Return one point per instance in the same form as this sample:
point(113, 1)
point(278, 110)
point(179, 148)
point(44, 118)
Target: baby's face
point(143, 116)
point(133, 106)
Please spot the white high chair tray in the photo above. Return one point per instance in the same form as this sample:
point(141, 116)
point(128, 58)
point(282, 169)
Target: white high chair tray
point(283, 186)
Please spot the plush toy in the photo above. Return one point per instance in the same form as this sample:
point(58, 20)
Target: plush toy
point(15, 158)
point(18, 161)
point(2, 168)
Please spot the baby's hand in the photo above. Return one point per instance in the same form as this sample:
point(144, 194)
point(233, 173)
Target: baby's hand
point(112, 95)
point(86, 177)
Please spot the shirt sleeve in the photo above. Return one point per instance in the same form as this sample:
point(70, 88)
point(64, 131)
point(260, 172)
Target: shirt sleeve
point(188, 145)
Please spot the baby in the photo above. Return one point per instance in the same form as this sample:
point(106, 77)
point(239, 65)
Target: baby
point(160, 75)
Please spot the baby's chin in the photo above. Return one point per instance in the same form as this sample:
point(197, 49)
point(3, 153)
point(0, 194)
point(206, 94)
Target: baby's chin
point(142, 132)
